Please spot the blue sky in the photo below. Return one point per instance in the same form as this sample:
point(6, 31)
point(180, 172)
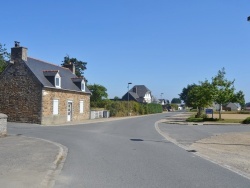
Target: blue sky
point(162, 44)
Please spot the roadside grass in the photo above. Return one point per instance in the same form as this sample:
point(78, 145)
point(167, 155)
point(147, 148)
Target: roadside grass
point(192, 118)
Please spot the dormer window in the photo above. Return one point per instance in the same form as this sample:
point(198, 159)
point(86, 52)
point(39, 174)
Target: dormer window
point(83, 86)
point(79, 82)
point(57, 81)
point(53, 77)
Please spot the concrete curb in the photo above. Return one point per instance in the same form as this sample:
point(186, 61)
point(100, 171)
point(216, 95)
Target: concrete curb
point(56, 168)
point(200, 123)
point(57, 165)
point(167, 137)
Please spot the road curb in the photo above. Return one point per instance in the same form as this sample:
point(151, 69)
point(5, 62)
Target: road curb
point(231, 168)
point(57, 165)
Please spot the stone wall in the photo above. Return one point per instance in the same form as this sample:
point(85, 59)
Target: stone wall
point(63, 96)
point(20, 94)
point(3, 124)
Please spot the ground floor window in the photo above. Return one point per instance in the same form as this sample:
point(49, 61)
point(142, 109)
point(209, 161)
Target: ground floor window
point(55, 106)
point(81, 106)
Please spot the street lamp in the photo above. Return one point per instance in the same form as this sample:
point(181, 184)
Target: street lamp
point(128, 97)
point(161, 95)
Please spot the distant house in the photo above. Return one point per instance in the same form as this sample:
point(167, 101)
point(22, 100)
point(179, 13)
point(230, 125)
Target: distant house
point(233, 106)
point(162, 101)
point(34, 91)
point(247, 106)
point(227, 107)
point(138, 93)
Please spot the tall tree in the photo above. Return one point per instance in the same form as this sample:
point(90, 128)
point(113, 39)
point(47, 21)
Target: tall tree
point(4, 56)
point(80, 66)
point(184, 94)
point(224, 89)
point(99, 92)
point(176, 101)
point(201, 96)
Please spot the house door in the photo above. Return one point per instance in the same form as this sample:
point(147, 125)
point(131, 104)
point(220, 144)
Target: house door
point(69, 111)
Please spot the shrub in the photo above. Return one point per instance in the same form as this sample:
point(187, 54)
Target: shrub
point(246, 121)
point(194, 119)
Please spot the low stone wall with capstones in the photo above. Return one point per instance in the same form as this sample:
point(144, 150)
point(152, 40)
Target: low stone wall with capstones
point(3, 124)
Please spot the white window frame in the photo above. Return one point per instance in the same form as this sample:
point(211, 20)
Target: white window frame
point(55, 107)
point(81, 106)
point(57, 76)
point(83, 85)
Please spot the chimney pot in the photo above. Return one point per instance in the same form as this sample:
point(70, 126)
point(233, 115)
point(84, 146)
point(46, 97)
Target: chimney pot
point(18, 52)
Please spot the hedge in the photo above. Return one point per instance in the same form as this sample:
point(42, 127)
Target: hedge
point(123, 108)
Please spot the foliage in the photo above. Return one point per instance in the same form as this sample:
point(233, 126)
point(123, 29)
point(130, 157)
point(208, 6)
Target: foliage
point(120, 108)
point(201, 96)
point(154, 108)
point(246, 121)
point(224, 90)
point(174, 106)
point(80, 66)
point(4, 56)
point(243, 112)
point(194, 119)
point(176, 101)
point(239, 97)
point(99, 93)
point(184, 94)
point(116, 98)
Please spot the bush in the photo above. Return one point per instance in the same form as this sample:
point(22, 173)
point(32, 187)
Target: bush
point(246, 121)
point(243, 112)
point(194, 119)
point(120, 108)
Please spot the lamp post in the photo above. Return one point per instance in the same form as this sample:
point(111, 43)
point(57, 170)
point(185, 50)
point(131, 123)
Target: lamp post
point(128, 97)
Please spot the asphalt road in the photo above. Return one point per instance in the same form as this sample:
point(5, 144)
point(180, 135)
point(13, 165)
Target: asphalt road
point(129, 153)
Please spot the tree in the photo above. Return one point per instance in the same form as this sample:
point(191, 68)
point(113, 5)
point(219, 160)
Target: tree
point(184, 94)
point(224, 89)
point(80, 66)
point(99, 93)
point(116, 98)
point(201, 96)
point(176, 101)
point(239, 97)
point(4, 56)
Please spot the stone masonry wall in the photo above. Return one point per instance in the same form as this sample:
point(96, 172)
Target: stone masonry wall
point(3, 125)
point(63, 97)
point(20, 94)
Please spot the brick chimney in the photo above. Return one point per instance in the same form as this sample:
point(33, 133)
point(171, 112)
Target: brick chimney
point(18, 52)
point(71, 67)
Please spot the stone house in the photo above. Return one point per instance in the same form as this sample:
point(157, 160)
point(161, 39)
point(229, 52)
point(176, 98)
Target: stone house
point(35, 91)
point(139, 93)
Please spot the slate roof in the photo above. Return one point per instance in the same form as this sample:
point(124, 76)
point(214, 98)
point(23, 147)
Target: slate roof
point(137, 93)
point(141, 90)
point(38, 67)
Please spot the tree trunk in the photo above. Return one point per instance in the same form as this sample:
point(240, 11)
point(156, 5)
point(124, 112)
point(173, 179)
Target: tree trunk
point(220, 112)
point(199, 112)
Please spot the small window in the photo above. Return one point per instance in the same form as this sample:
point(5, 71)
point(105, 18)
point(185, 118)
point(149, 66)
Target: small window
point(81, 106)
point(83, 86)
point(55, 107)
point(58, 81)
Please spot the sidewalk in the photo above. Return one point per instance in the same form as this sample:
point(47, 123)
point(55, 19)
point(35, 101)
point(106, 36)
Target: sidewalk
point(25, 162)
